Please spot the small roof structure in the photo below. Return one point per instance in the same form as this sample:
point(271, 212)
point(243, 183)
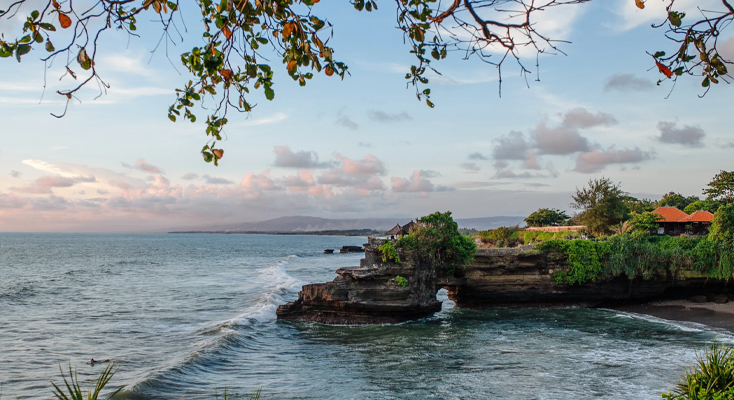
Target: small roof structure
point(394, 231)
point(699, 216)
point(407, 227)
point(670, 214)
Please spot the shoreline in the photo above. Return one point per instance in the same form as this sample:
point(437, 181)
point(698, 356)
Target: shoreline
point(710, 314)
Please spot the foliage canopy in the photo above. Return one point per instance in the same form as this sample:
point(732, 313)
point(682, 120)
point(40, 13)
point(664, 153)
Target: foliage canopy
point(602, 204)
point(436, 240)
point(230, 62)
point(546, 217)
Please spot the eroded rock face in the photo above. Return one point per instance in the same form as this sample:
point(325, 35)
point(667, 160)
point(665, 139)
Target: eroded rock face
point(369, 293)
point(497, 277)
point(512, 277)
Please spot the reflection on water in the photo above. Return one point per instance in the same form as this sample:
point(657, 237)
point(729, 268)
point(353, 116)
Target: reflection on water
point(187, 314)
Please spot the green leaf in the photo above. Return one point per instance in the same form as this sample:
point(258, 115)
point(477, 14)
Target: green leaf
point(34, 14)
point(25, 39)
point(659, 54)
point(47, 26)
point(269, 93)
point(49, 47)
point(37, 37)
point(706, 82)
point(172, 117)
point(675, 18)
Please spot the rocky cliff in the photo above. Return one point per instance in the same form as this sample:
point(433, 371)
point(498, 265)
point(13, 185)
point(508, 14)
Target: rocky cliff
point(371, 293)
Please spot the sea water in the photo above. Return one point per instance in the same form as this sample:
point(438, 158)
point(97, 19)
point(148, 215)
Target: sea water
point(188, 316)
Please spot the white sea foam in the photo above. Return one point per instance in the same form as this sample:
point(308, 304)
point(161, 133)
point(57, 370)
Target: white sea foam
point(276, 282)
point(685, 326)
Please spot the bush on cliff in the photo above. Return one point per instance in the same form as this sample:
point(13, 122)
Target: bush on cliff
point(511, 237)
point(643, 257)
point(436, 240)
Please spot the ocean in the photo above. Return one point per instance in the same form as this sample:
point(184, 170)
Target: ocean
point(186, 316)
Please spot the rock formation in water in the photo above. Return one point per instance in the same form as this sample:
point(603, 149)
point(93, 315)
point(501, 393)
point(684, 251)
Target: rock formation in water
point(371, 293)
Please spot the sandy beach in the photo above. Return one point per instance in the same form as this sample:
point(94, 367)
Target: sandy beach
point(710, 313)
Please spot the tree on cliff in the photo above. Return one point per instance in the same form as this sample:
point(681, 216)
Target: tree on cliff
point(721, 188)
point(546, 217)
point(677, 200)
point(230, 62)
point(436, 240)
point(602, 204)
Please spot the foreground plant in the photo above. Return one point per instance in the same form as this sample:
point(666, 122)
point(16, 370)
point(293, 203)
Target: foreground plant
point(711, 379)
point(74, 390)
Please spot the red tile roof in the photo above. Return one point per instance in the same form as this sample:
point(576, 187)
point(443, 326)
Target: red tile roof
point(670, 214)
point(699, 216)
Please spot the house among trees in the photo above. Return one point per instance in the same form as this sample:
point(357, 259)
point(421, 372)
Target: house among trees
point(675, 221)
point(400, 230)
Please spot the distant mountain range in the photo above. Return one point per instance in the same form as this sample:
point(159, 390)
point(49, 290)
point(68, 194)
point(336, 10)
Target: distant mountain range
point(315, 224)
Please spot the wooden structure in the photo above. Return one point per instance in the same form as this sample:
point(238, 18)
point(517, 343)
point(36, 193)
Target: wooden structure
point(676, 222)
point(400, 230)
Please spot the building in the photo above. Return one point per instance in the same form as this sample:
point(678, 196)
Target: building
point(676, 222)
point(400, 230)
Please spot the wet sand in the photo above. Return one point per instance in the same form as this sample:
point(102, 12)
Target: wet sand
point(711, 314)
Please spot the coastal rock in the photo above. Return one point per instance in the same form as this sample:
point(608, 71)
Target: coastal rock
point(699, 299)
point(721, 299)
point(369, 293)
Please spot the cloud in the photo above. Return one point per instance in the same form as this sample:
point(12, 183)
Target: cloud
point(477, 156)
point(360, 174)
point(476, 185)
point(427, 173)
point(213, 180)
point(512, 146)
point(189, 176)
point(32, 189)
point(286, 158)
point(418, 182)
point(471, 167)
point(501, 164)
point(381, 116)
point(505, 174)
point(689, 136)
point(15, 174)
point(561, 140)
point(531, 161)
point(346, 122)
point(597, 159)
point(364, 144)
point(271, 119)
point(628, 83)
point(581, 118)
point(728, 145)
point(58, 181)
point(142, 165)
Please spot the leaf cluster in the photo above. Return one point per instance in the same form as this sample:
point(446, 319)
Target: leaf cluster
point(712, 378)
point(389, 252)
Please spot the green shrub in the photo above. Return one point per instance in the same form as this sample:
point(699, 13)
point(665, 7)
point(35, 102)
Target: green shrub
point(389, 252)
point(711, 379)
point(722, 227)
point(585, 260)
point(401, 281)
point(639, 256)
point(74, 390)
point(436, 240)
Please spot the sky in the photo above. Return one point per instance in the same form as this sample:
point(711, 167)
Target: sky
point(362, 146)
